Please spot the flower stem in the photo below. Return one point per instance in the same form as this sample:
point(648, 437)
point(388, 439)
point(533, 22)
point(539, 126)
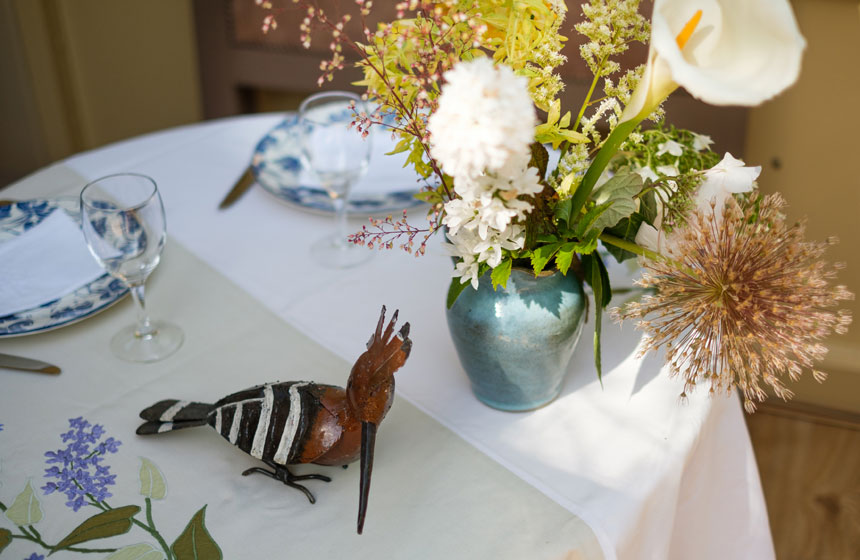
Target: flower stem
point(588, 97)
point(154, 531)
point(149, 526)
point(601, 160)
point(643, 252)
point(35, 537)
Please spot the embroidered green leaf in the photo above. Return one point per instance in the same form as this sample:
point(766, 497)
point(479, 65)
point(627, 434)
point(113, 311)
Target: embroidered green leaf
point(140, 551)
point(5, 538)
point(152, 483)
point(195, 542)
point(501, 274)
point(25, 510)
point(101, 526)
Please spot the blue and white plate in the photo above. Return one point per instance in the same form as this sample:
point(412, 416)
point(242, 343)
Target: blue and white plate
point(387, 187)
point(87, 300)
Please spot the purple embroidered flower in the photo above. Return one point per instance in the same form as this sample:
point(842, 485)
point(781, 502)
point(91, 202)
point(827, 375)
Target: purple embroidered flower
point(35, 556)
point(80, 473)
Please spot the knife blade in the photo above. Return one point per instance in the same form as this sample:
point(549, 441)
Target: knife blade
point(241, 186)
point(27, 364)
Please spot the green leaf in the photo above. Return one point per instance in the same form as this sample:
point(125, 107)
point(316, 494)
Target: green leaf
point(141, 551)
point(195, 542)
point(5, 538)
point(564, 257)
point(25, 510)
point(152, 483)
point(588, 244)
point(401, 147)
point(540, 159)
point(598, 278)
point(626, 229)
point(501, 273)
point(542, 255)
point(648, 206)
point(101, 526)
point(619, 191)
point(454, 290)
point(587, 222)
point(546, 238)
point(431, 197)
point(562, 211)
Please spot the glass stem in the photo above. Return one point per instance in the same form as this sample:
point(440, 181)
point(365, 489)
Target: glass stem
point(339, 203)
point(144, 325)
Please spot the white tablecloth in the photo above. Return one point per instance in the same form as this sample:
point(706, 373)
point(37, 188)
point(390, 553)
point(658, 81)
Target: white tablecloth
point(652, 477)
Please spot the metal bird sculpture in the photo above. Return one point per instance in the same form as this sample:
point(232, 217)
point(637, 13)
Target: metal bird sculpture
point(303, 422)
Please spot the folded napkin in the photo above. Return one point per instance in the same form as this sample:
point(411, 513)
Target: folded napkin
point(44, 263)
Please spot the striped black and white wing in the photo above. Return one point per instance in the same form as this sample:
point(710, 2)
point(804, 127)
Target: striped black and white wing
point(269, 422)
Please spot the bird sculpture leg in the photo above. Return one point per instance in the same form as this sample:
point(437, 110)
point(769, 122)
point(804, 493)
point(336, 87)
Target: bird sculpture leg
point(283, 474)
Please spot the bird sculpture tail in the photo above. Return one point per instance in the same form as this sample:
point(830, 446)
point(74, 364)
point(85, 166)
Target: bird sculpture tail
point(172, 414)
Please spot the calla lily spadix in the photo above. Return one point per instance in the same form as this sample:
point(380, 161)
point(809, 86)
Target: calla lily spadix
point(724, 52)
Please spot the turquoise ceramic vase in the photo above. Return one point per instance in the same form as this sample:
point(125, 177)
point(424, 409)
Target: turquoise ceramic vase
point(515, 343)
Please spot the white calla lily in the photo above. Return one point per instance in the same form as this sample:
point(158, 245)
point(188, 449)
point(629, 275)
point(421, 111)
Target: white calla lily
point(740, 52)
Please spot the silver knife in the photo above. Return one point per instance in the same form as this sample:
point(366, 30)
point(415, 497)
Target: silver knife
point(27, 364)
point(241, 186)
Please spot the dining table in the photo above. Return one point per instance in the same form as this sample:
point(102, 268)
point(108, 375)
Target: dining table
point(614, 468)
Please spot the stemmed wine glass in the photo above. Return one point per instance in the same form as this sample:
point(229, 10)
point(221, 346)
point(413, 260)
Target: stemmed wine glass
point(338, 155)
point(124, 226)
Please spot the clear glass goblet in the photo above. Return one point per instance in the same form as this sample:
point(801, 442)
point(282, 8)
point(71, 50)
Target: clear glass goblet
point(124, 226)
point(338, 155)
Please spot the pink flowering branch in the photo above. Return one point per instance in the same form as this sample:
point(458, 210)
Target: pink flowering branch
point(387, 233)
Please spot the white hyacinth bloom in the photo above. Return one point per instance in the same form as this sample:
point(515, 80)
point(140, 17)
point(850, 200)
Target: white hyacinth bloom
point(728, 177)
point(725, 179)
point(741, 52)
point(671, 147)
point(668, 170)
point(701, 142)
point(646, 173)
point(485, 117)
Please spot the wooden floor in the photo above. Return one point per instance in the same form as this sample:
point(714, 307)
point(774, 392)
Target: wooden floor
point(809, 461)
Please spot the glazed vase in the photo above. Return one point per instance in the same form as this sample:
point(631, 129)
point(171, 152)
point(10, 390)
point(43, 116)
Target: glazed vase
point(515, 343)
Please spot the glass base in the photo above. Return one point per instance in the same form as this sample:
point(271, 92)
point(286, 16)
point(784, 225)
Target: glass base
point(334, 252)
point(166, 340)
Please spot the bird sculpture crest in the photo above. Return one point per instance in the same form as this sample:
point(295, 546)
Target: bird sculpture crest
point(298, 422)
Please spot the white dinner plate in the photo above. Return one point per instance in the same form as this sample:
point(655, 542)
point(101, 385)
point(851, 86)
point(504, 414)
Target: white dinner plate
point(89, 299)
point(388, 187)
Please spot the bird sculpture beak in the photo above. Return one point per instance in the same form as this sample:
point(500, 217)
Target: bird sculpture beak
point(368, 441)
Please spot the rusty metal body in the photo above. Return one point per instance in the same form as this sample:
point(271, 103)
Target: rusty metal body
point(298, 422)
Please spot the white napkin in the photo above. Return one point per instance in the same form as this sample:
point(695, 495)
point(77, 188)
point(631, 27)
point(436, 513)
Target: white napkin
point(44, 263)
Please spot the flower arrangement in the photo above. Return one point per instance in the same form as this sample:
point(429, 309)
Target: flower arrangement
point(735, 293)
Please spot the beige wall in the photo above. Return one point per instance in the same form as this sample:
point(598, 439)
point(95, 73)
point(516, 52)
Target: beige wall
point(807, 143)
point(88, 72)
